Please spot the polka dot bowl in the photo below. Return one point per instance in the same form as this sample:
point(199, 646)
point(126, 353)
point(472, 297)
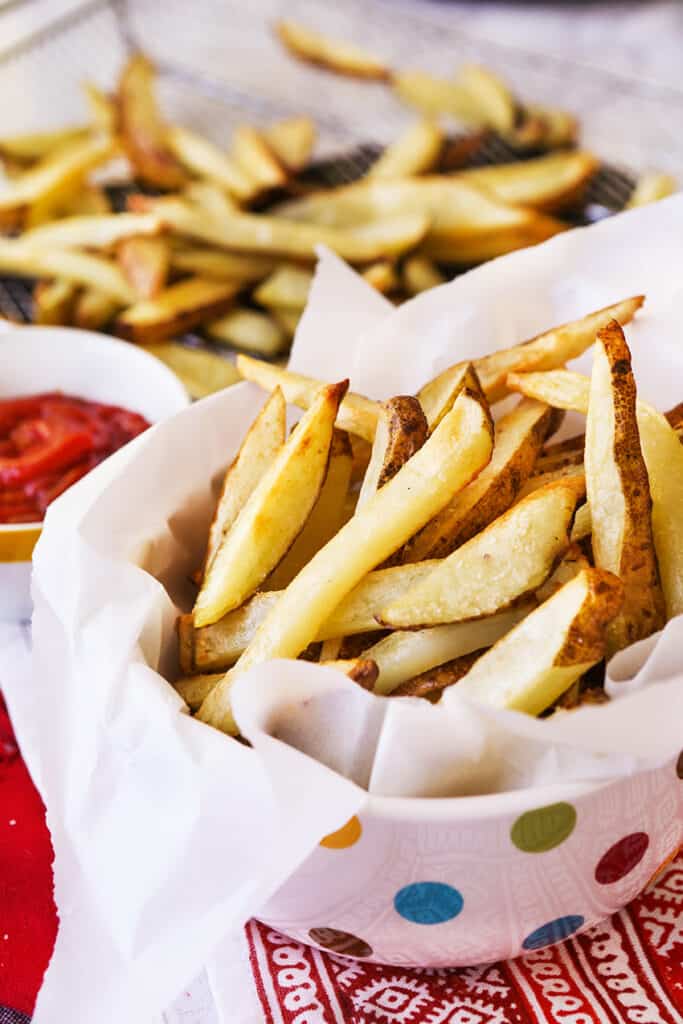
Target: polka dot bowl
point(437, 883)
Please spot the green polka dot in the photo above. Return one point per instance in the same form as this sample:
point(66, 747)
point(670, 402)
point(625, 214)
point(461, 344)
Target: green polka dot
point(543, 829)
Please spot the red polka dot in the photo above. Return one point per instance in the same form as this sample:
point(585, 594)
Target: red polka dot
point(622, 858)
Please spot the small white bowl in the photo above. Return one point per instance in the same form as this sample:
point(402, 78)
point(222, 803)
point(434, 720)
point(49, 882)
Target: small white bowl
point(89, 365)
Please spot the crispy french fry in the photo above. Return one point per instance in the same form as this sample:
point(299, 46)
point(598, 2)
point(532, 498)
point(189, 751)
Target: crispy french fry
point(38, 145)
point(619, 492)
point(567, 633)
point(145, 263)
point(360, 670)
point(382, 276)
point(545, 182)
point(257, 453)
point(89, 201)
point(201, 372)
point(514, 555)
point(437, 397)
point(563, 389)
point(433, 682)
point(254, 156)
point(326, 516)
point(79, 267)
point(102, 107)
point(539, 480)
point(93, 232)
point(274, 514)
point(292, 142)
point(401, 431)
point(202, 157)
point(248, 329)
point(94, 309)
point(332, 54)
point(287, 287)
point(547, 351)
point(405, 654)
point(583, 525)
point(144, 134)
point(176, 309)
point(53, 301)
point(420, 274)
point(194, 689)
point(650, 187)
point(245, 232)
point(225, 266)
point(357, 414)
point(414, 152)
point(519, 437)
point(456, 451)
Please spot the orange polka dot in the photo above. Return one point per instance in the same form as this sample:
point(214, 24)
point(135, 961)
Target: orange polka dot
point(345, 836)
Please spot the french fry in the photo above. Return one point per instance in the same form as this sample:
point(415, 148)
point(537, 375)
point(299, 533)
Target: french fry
point(456, 451)
point(274, 514)
point(213, 200)
point(558, 128)
point(650, 187)
point(326, 516)
point(194, 689)
point(519, 437)
point(287, 287)
point(292, 142)
point(288, 319)
point(225, 266)
point(357, 414)
point(202, 157)
point(437, 397)
point(344, 58)
point(94, 232)
point(514, 555)
point(537, 481)
point(53, 301)
point(80, 267)
point(176, 309)
point(567, 633)
point(248, 329)
point(103, 113)
point(94, 309)
point(257, 453)
point(245, 232)
point(433, 682)
point(401, 431)
point(619, 492)
point(382, 276)
point(38, 145)
point(573, 562)
point(144, 134)
point(201, 372)
point(490, 98)
point(359, 670)
point(435, 96)
point(420, 274)
point(547, 351)
point(583, 525)
point(545, 182)
point(89, 201)
point(145, 263)
point(254, 156)
point(414, 152)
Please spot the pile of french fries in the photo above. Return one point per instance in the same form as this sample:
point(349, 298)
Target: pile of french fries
point(422, 541)
point(199, 254)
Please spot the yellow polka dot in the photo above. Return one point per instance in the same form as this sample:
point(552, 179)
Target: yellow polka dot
point(345, 836)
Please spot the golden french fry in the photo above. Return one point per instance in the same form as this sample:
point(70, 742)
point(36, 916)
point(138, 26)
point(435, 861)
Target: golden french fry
point(79, 267)
point(573, 562)
point(357, 414)
point(650, 187)
point(334, 55)
point(145, 263)
point(490, 98)
point(287, 287)
point(202, 157)
point(292, 141)
point(274, 514)
point(360, 670)
point(92, 232)
point(567, 635)
point(94, 309)
point(194, 689)
point(414, 152)
point(248, 329)
point(435, 96)
point(401, 431)
point(288, 319)
point(213, 200)
point(456, 451)
point(226, 266)
point(545, 352)
point(256, 159)
point(144, 134)
point(545, 182)
point(201, 372)
point(437, 397)
point(257, 453)
point(176, 309)
point(326, 516)
point(519, 437)
point(514, 555)
point(382, 276)
point(583, 525)
point(53, 301)
point(539, 480)
point(102, 107)
point(89, 201)
point(558, 128)
point(38, 145)
point(420, 274)
point(619, 492)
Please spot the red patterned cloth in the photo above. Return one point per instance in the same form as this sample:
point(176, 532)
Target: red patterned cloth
point(628, 969)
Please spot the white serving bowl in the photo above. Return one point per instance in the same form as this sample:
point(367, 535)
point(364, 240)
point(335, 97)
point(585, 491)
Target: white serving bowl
point(89, 365)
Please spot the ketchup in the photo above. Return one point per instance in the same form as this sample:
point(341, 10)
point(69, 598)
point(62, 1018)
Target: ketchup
point(48, 442)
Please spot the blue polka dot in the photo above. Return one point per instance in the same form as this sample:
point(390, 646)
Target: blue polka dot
point(553, 931)
point(428, 902)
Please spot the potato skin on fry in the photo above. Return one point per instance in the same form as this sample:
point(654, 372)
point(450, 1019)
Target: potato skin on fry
point(141, 127)
point(407, 433)
point(433, 682)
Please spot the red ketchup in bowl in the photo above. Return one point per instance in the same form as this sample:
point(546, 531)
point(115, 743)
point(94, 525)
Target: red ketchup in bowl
point(48, 442)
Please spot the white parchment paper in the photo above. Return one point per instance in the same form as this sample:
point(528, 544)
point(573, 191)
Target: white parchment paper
point(167, 835)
